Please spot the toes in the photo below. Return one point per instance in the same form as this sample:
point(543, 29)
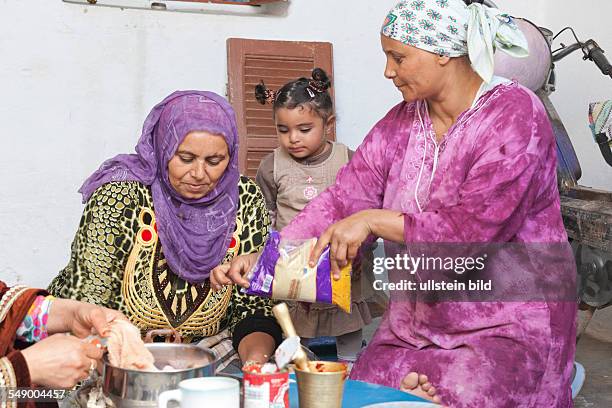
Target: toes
point(410, 381)
point(419, 385)
point(423, 379)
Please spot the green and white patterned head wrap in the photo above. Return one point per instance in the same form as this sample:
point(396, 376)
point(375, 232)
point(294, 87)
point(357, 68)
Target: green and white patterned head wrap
point(454, 29)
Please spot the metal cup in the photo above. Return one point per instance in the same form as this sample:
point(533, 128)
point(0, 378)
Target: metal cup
point(322, 386)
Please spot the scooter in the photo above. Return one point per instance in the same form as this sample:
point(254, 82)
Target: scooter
point(587, 212)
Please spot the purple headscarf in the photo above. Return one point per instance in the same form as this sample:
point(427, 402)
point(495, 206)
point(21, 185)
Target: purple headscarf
point(195, 234)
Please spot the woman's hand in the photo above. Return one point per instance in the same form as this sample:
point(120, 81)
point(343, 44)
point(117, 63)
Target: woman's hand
point(90, 316)
point(60, 361)
point(79, 318)
point(344, 238)
point(233, 273)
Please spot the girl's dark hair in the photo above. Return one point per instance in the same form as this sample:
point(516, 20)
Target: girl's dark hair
point(313, 93)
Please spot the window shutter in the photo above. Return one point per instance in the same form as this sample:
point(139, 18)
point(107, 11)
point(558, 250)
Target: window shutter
point(276, 62)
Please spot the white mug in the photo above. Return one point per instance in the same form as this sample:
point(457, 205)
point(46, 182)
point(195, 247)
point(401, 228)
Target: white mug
point(204, 392)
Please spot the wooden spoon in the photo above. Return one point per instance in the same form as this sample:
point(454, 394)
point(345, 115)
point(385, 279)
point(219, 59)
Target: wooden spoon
point(281, 312)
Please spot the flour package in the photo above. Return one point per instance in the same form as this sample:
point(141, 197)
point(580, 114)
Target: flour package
point(282, 272)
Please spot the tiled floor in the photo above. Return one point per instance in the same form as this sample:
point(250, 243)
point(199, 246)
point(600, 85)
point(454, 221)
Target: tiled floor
point(594, 352)
point(596, 357)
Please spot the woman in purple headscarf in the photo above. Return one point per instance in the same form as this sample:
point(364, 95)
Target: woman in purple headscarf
point(157, 222)
point(467, 157)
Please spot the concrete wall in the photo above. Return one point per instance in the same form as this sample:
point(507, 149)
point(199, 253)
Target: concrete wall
point(77, 82)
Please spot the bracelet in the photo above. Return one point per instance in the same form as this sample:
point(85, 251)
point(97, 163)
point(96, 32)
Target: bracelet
point(33, 328)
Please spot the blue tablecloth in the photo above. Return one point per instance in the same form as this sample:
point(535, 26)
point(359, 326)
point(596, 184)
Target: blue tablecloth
point(358, 394)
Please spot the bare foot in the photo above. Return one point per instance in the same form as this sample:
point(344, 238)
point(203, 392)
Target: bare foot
point(419, 385)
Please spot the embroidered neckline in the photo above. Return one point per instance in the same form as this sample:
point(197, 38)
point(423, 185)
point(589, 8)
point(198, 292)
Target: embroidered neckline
point(489, 96)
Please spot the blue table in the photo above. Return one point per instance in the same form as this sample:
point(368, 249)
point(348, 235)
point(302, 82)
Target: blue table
point(358, 394)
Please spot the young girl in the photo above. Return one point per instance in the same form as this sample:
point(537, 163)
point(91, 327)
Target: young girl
point(304, 165)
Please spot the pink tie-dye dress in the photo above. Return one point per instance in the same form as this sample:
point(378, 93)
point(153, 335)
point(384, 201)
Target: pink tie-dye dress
point(491, 179)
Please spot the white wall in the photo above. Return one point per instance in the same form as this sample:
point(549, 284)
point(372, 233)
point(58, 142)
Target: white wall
point(77, 82)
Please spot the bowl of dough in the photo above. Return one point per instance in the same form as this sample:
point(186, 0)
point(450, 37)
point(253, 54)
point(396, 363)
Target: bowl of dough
point(136, 373)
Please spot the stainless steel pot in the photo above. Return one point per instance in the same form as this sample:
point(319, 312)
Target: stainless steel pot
point(135, 389)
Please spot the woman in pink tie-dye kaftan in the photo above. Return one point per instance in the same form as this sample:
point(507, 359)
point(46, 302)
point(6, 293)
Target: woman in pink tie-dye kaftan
point(495, 181)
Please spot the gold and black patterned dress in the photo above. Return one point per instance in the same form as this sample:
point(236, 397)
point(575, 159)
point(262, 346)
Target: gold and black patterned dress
point(117, 261)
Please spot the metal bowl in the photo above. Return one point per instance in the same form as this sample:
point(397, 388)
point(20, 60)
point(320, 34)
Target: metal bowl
point(134, 388)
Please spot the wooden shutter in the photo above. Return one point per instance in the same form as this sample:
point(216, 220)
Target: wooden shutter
point(276, 62)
